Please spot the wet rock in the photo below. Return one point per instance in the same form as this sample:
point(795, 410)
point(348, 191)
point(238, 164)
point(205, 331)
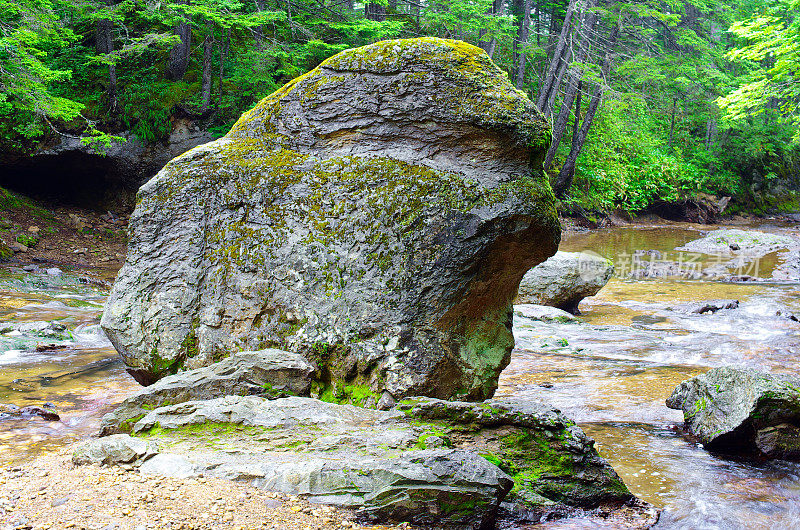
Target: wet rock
point(748, 242)
point(565, 279)
point(742, 410)
point(30, 268)
point(780, 441)
point(543, 313)
point(116, 449)
point(54, 271)
point(707, 306)
point(268, 373)
point(550, 458)
point(788, 315)
point(46, 412)
point(375, 215)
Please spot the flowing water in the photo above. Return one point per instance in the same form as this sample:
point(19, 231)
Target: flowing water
point(611, 372)
point(78, 370)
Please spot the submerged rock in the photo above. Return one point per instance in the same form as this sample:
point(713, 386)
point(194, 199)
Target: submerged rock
point(565, 279)
point(268, 373)
point(740, 410)
point(375, 215)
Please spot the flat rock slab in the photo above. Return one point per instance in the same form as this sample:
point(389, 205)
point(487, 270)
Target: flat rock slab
point(565, 279)
point(406, 463)
point(268, 373)
point(742, 411)
point(735, 241)
point(442, 487)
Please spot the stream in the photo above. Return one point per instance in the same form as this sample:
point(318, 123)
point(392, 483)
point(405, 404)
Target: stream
point(610, 371)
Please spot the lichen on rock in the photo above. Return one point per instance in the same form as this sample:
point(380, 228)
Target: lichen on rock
point(375, 215)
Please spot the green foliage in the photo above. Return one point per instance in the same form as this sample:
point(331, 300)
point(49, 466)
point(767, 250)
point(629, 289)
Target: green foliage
point(770, 45)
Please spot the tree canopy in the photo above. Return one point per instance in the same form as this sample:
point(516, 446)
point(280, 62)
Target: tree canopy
point(649, 101)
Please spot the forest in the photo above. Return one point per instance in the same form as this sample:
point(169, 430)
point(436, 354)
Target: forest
point(649, 101)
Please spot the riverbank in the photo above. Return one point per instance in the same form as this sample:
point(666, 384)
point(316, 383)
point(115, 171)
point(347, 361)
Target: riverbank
point(33, 232)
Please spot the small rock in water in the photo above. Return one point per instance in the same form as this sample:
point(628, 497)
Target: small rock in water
point(30, 268)
point(50, 347)
point(45, 414)
point(707, 306)
point(742, 411)
point(54, 271)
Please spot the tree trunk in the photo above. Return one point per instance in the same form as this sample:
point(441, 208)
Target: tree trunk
point(548, 83)
point(524, 34)
point(104, 44)
point(208, 53)
point(498, 7)
point(223, 52)
point(672, 122)
point(179, 54)
point(575, 75)
point(567, 173)
point(375, 12)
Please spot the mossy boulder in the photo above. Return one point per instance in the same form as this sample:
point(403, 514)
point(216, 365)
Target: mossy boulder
point(742, 411)
point(375, 215)
point(431, 462)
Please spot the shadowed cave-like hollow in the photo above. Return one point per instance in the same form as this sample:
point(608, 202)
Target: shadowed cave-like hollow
point(72, 178)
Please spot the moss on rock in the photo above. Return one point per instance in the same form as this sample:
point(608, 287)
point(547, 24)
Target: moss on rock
point(386, 204)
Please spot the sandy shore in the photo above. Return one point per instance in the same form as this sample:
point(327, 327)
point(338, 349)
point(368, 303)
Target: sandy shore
point(51, 493)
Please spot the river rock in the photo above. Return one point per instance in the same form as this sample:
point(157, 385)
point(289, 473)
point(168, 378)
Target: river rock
point(741, 410)
point(269, 373)
point(544, 313)
point(706, 306)
point(306, 446)
point(730, 240)
point(565, 279)
point(375, 215)
point(116, 449)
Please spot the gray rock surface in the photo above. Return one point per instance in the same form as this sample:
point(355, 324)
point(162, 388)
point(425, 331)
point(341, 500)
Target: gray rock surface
point(275, 441)
point(742, 410)
point(565, 279)
point(732, 241)
point(544, 313)
point(375, 215)
point(443, 487)
point(116, 449)
point(268, 373)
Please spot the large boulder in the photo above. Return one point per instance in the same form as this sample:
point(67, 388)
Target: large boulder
point(375, 215)
point(565, 279)
point(268, 373)
point(427, 458)
point(742, 411)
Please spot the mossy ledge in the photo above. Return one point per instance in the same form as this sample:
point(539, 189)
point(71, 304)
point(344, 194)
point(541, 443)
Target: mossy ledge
point(385, 204)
